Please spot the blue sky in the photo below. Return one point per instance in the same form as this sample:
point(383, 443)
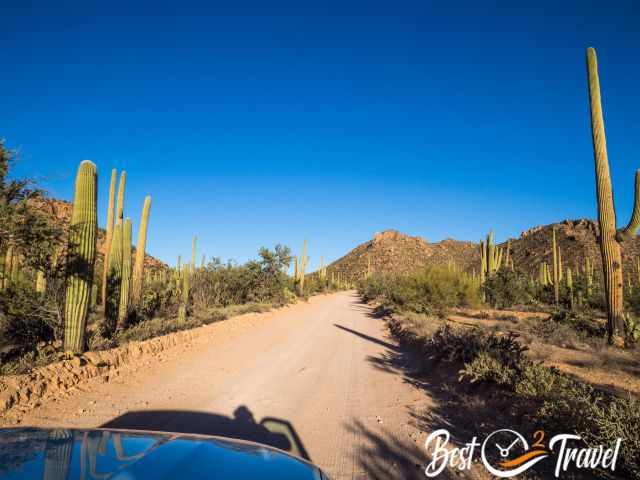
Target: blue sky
point(271, 122)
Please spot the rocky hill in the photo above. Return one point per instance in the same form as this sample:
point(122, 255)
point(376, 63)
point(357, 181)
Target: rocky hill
point(396, 253)
point(61, 211)
point(577, 240)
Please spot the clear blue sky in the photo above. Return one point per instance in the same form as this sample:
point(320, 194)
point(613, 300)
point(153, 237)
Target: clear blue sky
point(268, 122)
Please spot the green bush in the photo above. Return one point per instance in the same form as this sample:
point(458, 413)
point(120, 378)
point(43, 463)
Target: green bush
point(431, 291)
point(376, 286)
point(24, 319)
point(507, 288)
point(580, 322)
point(545, 397)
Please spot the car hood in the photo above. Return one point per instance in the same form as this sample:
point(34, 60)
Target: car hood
point(126, 454)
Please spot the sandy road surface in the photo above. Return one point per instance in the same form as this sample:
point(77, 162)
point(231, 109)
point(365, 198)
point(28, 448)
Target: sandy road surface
point(319, 366)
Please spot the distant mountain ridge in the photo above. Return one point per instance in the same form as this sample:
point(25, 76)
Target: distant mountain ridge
point(394, 252)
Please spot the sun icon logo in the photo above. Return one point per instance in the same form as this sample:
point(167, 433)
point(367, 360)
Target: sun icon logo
point(505, 453)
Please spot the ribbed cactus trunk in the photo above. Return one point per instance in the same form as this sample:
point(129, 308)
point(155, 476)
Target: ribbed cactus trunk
point(114, 280)
point(609, 246)
point(193, 254)
point(109, 235)
point(570, 286)
point(120, 206)
point(490, 253)
point(186, 286)
point(302, 267)
point(125, 280)
point(137, 281)
point(81, 257)
point(556, 276)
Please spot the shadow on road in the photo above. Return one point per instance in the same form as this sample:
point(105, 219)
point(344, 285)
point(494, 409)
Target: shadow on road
point(270, 431)
point(367, 337)
point(385, 456)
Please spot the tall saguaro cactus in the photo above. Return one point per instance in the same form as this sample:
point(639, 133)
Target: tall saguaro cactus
point(81, 257)
point(114, 280)
point(109, 236)
point(125, 281)
point(556, 268)
point(193, 254)
point(137, 281)
point(302, 265)
point(186, 286)
point(609, 238)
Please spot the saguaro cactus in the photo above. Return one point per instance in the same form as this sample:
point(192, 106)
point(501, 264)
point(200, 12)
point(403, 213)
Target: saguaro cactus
point(570, 286)
point(193, 254)
point(109, 236)
point(556, 274)
point(125, 281)
point(137, 281)
point(81, 257)
point(490, 257)
point(302, 266)
point(609, 238)
point(182, 310)
point(114, 280)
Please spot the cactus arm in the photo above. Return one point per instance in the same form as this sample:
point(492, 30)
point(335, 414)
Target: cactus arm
point(137, 281)
point(120, 205)
point(125, 280)
point(109, 236)
point(113, 280)
point(193, 254)
point(631, 229)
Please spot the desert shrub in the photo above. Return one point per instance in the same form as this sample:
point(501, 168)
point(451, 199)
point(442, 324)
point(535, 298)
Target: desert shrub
point(23, 318)
point(507, 288)
point(374, 287)
point(581, 323)
point(261, 280)
point(566, 405)
point(544, 397)
point(434, 290)
point(486, 368)
point(466, 344)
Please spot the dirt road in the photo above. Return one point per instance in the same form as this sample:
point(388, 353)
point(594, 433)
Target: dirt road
point(321, 369)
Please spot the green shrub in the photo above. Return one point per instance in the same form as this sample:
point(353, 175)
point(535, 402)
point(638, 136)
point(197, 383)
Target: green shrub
point(486, 368)
point(24, 318)
point(545, 397)
point(434, 290)
point(466, 344)
point(507, 288)
point(581, 323)
point(376, 286)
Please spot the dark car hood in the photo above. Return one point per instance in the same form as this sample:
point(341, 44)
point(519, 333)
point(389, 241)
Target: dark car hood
point(126, 454)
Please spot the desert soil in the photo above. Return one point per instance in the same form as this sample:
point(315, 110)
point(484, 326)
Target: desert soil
point(327, 367)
